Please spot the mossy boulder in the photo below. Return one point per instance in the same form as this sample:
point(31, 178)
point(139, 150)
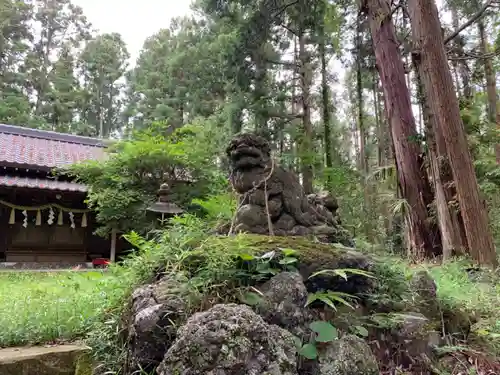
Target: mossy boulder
point(280, 272)
point(153, 311)
point(232, 255)
point(313, 257)
point(55, 360)
point(348, 356)
point(230, 340)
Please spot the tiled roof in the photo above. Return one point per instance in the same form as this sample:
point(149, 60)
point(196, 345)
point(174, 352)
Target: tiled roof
point(37, 148)
point(41, 183)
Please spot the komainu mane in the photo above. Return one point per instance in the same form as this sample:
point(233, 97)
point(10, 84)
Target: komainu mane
point(272, 200)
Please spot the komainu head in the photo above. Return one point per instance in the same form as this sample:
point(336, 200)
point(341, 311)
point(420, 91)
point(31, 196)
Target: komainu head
point(248, 150)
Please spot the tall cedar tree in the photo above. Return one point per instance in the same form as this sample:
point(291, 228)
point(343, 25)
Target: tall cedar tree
point(439, 89)
point(448, 218)
point(412, 177)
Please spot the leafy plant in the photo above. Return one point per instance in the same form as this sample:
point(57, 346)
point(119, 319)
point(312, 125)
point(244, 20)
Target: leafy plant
point(343, 272)
point(329, 298)
point(323, 333)
point(259, 267)
point(360, 331)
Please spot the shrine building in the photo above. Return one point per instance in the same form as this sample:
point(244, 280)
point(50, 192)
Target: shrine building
point(43, 218)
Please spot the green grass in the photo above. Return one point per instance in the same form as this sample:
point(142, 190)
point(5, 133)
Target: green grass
point(476, 294)
point(479, 293)
point(40, 307)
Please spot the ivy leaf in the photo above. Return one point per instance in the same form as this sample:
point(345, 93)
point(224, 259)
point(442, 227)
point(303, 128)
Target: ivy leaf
point(308, 351)
point(263, 268)
point(324, 330)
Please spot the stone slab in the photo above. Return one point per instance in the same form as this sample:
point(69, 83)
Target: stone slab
point(46, 360)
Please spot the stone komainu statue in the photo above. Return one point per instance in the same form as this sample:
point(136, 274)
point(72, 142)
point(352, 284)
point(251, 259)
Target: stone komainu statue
point(272, 198)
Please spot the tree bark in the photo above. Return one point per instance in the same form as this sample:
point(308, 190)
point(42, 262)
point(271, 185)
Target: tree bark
point(491, 88)
point(363, 158)
point(325, 101)
point(306, 141)
point(438, 84)
point(449, 226)
point(260, 93)
point(463, 68)
point(412, 179)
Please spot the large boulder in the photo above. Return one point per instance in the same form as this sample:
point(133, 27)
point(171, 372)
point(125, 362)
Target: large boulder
point(283, 303)
point(313, 257)
point(417, 336)
point(230, 340)
point(151, 328)
point(264, 338)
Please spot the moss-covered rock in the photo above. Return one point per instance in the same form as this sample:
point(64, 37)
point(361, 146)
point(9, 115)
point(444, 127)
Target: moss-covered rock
point(230, 340)
point(279, 272)
point(311, 257)
point(348, 356)
point(151, 324)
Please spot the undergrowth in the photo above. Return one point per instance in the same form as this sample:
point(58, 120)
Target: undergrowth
point(461, 289)
point(216, 269)
point(92, 305)
point(474, 292)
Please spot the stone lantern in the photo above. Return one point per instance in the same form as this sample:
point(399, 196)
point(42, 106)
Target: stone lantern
point(164, 204)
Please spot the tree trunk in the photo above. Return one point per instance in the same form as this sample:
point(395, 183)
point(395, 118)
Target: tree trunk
point(235, 116)
point(260, 93)
point(306, 141)
point(448, 225)
point(382, 146)
point(363, 154)
point(412, 179)
point(295, 79)
point(461, 65)
point(363, 160)
point(491, 88)
point(325, 101)
point(438, 84)
point(378, 124)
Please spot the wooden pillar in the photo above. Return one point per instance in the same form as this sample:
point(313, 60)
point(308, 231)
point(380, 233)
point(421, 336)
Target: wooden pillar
point(112, 256)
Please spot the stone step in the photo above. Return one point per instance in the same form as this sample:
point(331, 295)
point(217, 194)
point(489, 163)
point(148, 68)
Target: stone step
point(46, 360)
